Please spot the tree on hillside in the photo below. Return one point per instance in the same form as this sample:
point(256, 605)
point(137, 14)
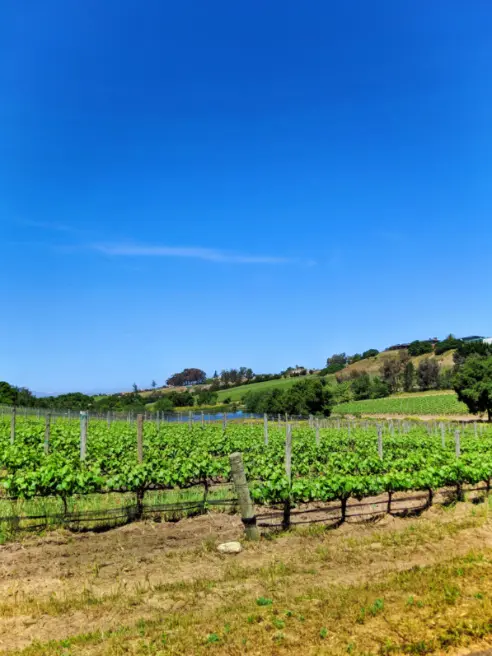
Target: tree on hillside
point(380, 389)
point(370, 353)
point(153, 384)
point(446, 378)
point(451, 342)
point(192, 376)
point(391, 370)
point(409, 377)
point(309, 396)
point(428, 374)
point(473, 384)
point(361, 386)
point(181, 399)
point(418, 347)
point(465, 351)
point(135, 387)
point(164, 404)
point(337, 358)
point(206, 397)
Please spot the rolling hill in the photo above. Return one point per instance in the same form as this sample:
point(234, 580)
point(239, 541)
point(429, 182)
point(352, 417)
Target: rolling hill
point(369, 365)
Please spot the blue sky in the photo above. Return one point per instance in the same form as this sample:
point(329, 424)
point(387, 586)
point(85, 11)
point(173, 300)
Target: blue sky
point(219, 184)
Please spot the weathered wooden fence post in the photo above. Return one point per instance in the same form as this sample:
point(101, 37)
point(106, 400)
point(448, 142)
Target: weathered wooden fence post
point(288, 474)
point(224, 420)
point(83, 433)
point(47, 433)
point(265, 428)
point(242, 490)
point(317, 431)
point(108, 418)
point(457, 444)
point(140, 423)
point(12, 424)
point(380, 441)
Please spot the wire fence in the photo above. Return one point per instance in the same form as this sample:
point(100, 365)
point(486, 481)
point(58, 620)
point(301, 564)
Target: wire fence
point(110, 416)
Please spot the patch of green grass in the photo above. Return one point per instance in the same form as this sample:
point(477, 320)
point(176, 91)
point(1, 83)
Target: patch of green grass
point(49, 510)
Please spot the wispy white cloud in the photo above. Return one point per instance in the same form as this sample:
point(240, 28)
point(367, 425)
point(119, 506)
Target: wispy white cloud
point(209, 254)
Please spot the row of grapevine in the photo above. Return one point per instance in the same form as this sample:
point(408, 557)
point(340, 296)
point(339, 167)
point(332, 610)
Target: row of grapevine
point(327, 463)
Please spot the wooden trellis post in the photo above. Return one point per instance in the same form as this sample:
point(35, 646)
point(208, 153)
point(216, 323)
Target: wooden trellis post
point(140, 423)
point(288, 474)
point(245, 504)
point(12, 424)
point(380, 441)
point(47, 433)
point(84, 417)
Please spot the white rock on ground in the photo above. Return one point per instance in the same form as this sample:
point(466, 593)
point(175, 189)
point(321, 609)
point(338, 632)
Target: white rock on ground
point(230, 547)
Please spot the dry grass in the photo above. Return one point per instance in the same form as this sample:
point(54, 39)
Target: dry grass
point(401, 586)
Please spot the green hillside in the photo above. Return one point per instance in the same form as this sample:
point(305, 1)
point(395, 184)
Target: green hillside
point(237, 393)
point(369, 365)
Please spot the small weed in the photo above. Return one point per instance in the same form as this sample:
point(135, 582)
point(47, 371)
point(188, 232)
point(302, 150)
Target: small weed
point(264, 601)
point(478, 595)
point(323, 633)
point(213, 637)
point(372, 610)
point(451, 594)
point(278, 624)
point(377, 607)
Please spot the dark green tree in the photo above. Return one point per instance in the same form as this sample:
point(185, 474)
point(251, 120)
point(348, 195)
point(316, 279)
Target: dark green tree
point(451, 342)
point(164, 404)
point(419, 348)
point(390, 372)
point(409, 377)
point(361, 387)
point(428, 374)
point(380, 389)
point(473, 384)
point(370, 353)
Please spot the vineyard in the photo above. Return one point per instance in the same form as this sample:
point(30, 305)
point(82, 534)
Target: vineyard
point(335, 462)
point(438, 404)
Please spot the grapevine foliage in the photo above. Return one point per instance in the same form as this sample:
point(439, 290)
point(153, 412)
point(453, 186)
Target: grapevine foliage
point(343, 465)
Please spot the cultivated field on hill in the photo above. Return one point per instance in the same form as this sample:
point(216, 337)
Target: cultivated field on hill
point(438, 404)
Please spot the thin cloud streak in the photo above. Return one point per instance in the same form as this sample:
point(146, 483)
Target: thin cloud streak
point(208, 254)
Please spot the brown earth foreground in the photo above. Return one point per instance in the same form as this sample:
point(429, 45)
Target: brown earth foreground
point(396, 586)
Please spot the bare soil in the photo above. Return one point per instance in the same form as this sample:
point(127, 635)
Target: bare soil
point(67, 584)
